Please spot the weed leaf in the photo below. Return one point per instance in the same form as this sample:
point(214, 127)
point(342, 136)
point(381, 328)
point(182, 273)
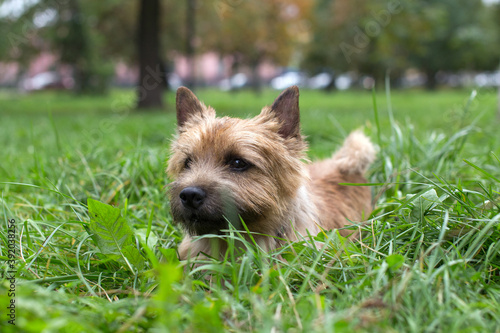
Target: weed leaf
point(423, 204)
point(395, 261)
point(113, 236)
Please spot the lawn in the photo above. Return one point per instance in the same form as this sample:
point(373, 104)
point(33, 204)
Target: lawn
point(428, 259)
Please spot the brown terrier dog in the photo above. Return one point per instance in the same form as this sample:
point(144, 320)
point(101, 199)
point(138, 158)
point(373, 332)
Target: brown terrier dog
point(228, 170)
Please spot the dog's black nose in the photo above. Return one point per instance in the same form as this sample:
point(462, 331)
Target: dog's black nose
point(192, 197)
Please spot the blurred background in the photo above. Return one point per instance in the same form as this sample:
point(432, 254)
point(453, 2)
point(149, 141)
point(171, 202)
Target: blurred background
point(153, 46)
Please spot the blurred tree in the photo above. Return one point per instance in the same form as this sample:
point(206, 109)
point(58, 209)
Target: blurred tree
point(321, 52)
point(115, 22)
point(449, 35)
point(63, 29)
point(373, 37)
point(152, 76)
point(258, 30)
point(91, 36)
point(72, 41)
point(19, 39)
point(338, 44)
point(190, 40)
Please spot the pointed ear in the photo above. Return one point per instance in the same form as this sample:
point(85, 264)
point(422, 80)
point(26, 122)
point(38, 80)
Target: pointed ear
point(286, 109)
point(187, 105)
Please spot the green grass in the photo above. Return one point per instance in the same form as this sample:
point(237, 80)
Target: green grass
point(428, 259)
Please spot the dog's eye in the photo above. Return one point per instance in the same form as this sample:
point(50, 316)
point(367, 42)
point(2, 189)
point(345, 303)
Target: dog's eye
point(187, 163)
point(238, 164)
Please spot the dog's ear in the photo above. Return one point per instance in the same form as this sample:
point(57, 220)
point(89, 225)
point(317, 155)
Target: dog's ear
point(286, 109)
point(187, 105)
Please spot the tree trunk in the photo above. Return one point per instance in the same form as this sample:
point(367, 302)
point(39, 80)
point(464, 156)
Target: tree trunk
point(255, 80)
point(151, 70)
point(498, 97)
point(330, 87)
point(498, 101)
point(431, 83)
point(76, 50)
point(190, 35)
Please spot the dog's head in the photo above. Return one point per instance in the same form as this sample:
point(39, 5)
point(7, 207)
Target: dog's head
point(224, 169)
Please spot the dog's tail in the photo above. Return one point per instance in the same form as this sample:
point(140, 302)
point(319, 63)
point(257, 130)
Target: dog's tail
point(355, 155)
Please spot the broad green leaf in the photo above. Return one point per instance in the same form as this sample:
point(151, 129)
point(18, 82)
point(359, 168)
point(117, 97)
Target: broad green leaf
point(152, 240)
point(424, 203)
point(170, 255)
point(395, 261)
point(133, 256)
point(114, 237)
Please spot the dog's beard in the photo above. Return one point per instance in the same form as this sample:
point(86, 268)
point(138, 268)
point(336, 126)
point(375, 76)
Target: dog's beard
point(196, 224)
point(217, 214)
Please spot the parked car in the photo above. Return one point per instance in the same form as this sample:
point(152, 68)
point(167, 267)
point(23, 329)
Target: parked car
point(236, 81)
point(320, 81)
point(46, 80)
point(289, 78)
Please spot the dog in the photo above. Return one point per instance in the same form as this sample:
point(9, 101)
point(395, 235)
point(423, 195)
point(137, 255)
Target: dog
point(254, 171)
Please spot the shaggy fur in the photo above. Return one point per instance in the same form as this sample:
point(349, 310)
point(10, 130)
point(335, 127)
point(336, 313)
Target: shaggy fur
point(254, 169)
